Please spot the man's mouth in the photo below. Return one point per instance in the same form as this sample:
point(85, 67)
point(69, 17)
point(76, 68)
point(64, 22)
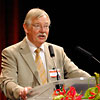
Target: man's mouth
point(42, 35)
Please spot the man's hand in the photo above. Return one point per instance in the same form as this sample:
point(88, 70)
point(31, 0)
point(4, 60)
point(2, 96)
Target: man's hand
point(24, 92)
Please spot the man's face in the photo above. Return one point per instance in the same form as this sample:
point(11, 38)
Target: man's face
point(38, 31)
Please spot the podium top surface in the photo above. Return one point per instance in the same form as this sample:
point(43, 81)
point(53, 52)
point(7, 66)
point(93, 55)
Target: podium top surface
point(45, 92)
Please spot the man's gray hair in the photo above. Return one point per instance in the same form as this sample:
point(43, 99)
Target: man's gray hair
point(34, 13)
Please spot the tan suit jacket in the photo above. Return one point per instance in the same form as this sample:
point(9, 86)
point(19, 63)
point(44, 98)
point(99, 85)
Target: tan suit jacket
point(19, 69)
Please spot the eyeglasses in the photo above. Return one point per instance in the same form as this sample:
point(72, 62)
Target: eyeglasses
point(38, 26)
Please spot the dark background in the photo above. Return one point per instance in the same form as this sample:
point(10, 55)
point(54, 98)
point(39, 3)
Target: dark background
point(74, 23)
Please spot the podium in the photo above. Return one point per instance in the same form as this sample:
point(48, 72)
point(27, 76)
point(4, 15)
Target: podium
point(45, 92)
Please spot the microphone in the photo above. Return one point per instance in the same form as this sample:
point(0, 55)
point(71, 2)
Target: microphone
point(51, 51)
point(53, 55)
point(84, 51)
point(87, 53)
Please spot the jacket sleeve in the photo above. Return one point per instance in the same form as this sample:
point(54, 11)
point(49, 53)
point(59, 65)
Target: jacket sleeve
point(70, 69)
point(8, 77)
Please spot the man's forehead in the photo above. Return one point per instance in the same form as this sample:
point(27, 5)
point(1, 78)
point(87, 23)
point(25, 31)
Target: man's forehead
point(43, 18)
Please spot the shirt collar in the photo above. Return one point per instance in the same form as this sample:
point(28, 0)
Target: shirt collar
point(32, 46)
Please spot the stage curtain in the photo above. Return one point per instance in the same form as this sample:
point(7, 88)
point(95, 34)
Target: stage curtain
point(9, 26)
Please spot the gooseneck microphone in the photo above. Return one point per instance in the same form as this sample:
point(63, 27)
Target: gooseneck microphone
point(87, 53)
point(52, 54)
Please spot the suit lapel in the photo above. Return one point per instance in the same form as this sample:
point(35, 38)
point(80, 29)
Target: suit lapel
point(26, 54)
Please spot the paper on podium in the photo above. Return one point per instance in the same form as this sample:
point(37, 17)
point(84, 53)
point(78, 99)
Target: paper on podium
point(45, 92)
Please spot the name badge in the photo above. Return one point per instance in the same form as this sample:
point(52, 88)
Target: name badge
point(53, 72)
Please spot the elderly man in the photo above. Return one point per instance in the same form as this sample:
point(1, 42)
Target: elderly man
point(27, 64)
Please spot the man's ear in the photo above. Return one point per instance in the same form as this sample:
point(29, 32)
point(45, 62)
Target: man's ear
point(25, 28)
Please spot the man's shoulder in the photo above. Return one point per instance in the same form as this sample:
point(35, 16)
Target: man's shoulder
point(13, 47)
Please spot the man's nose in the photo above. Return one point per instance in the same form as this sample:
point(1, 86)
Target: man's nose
point(42, 29)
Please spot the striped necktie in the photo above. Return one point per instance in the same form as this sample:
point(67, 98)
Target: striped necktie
point(40, 67)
